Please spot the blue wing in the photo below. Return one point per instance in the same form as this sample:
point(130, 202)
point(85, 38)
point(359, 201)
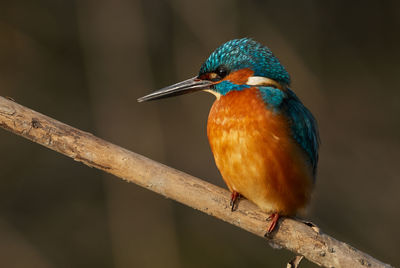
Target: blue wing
point(303, 125)
point(302, 122)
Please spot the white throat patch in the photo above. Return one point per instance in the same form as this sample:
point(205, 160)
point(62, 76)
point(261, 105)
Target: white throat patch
point(215, 93)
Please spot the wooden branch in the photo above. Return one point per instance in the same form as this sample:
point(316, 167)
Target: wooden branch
point(193, 192)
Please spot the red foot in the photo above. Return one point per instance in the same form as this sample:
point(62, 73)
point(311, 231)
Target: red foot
point(235, 196)
point(274, 217)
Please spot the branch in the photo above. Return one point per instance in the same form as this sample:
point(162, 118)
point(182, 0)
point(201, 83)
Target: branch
point(193, 192)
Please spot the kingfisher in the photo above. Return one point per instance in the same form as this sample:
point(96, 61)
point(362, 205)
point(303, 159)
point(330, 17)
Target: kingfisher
point(264, 140)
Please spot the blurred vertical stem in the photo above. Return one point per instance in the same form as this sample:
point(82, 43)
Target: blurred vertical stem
point(111, 55)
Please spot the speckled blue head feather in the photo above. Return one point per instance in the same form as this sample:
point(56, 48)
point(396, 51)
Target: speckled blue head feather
point(247, 53)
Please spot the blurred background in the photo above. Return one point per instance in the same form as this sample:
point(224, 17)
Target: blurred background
point(85, 63)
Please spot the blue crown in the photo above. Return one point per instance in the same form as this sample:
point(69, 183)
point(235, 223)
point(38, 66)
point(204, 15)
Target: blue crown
point(246, 53)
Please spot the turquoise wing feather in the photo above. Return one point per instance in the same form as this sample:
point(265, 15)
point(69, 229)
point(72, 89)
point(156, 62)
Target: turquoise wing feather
point(304, 127)
point(302, 123)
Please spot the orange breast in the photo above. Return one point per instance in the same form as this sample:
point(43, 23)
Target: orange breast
point(255, 153)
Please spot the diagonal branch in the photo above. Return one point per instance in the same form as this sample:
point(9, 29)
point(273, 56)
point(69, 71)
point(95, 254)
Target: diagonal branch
point(198, 194)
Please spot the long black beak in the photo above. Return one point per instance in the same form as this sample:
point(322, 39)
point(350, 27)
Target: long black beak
point(187, 86)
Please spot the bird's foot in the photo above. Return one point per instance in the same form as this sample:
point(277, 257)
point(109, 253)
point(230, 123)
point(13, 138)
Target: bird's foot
point(235, 197)
point(273, 218)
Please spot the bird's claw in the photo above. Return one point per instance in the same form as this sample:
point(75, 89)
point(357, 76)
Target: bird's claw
point(273, 218)
point(235, 197)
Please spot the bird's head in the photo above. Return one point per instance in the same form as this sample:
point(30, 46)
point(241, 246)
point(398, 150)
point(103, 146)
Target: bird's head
point(236, 65)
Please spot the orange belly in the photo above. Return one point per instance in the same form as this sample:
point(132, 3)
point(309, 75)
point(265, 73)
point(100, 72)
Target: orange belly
point(256, 155)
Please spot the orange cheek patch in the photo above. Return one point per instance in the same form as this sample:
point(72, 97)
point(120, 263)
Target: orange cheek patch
point(239, 77)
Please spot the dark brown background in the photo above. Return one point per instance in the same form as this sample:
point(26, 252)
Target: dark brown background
point(86, 62)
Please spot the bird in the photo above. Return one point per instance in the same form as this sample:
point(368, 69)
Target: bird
point(264, 140)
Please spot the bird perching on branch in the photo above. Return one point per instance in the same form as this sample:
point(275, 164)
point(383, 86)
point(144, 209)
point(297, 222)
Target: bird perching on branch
point(264, 140)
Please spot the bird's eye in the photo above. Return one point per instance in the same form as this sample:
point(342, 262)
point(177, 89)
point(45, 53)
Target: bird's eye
point(221, 71)
point(218, 74)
